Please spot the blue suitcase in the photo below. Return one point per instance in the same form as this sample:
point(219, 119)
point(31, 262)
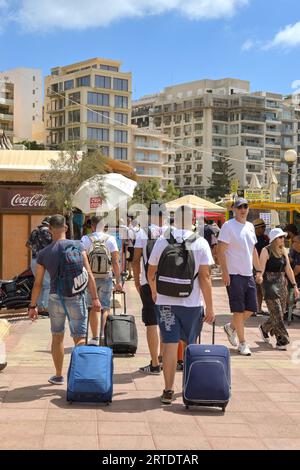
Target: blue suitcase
point(206, 375)
point(90, 374)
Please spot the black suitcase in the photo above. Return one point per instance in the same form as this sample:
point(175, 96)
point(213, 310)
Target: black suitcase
point(120, 331)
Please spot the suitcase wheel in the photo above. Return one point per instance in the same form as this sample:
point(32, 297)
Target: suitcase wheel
point(187, 407)
point(224, 408)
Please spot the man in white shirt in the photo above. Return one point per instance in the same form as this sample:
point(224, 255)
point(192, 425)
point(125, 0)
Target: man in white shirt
point(237, 255)
point(145, 240)
point(181, 318)
point(104, 284)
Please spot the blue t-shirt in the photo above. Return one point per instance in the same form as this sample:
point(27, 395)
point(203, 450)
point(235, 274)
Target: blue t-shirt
point(49, 258)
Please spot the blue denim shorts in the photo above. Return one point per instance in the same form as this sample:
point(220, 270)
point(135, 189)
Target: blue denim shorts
point(179, 323)
point(104, 289)
point(77, 310)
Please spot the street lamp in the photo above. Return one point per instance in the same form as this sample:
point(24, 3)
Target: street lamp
point(290, 157)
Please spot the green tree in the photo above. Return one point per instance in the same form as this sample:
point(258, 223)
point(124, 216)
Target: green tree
point(66, 175)
point(171, 193)
point(32, 145)
point(220, 179)
point(146, 192)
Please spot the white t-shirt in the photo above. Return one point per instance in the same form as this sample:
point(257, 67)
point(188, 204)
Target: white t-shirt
point(141, 242)
point(203, 257)
point(241, 239)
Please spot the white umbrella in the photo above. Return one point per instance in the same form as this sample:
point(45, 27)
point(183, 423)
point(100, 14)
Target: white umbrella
point(272, 185)
point(254, 183)
point(117, 190)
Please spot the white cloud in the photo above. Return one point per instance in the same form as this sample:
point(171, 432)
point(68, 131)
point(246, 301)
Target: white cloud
point(286, 38)
point(249, 44)
point(44, 15)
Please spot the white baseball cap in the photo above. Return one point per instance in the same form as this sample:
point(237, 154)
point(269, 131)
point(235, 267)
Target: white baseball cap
point(276, 233)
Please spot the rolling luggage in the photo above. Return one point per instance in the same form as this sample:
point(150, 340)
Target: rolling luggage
point(206, 375)
point(90, 374)
point(120, 331)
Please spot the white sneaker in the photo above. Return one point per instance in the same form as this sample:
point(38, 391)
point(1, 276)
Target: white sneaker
point(244, 349)
point(94, 342)
point(231, 335)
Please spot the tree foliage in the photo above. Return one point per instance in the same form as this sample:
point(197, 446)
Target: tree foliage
point(171, 193)
point(146, 192)
point(66, 175)
point(222, 175)
point(32, 145)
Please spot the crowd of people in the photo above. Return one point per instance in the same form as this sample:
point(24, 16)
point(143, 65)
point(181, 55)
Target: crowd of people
point(170, 261)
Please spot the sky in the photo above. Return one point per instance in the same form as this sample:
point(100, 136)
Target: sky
point(162, 42)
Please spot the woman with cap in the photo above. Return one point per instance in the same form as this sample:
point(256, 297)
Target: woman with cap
point(275, 265)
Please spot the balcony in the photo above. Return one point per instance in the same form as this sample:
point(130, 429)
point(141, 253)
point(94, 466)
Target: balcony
point(6, 101)
point(252, 118)
point(252, 131)
point(7, 117)
point(251, 143)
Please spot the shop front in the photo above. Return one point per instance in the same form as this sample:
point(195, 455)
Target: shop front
point(22, 208)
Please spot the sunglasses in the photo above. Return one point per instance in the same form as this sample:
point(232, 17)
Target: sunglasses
point(243, 206)
point(280, 238)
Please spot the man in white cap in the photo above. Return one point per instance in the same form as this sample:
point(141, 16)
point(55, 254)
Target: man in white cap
point(237, 256)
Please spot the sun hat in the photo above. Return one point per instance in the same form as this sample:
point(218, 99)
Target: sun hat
point(259, 223)
point(276, 233)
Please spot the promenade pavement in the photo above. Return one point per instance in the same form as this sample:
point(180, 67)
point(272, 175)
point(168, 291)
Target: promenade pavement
point(264, 412)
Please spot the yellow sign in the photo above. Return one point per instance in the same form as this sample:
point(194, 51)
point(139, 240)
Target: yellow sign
point(258, 195)
point(234, 186)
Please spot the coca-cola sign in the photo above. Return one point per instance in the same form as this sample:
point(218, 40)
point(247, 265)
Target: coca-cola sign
point(22, 199)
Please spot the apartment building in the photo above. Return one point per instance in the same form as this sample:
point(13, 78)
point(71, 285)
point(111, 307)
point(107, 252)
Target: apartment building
point(7, 109)
point(28, 103)
point(212, 118)
point(152, 156)
point(89, 103)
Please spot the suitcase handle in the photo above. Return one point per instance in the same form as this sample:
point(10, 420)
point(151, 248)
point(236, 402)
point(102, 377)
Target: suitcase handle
point(213, 334)
point(87, 327)
point(124, 301)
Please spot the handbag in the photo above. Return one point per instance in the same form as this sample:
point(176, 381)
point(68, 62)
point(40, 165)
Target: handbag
point(271, 290)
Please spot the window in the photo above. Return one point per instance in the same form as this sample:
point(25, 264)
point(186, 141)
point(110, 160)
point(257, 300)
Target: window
point(104, 150)
point(98, 99)
point(69, 84)
point(83, 81)
point(109, 67)
point(121, 118)
point(74, 98)
point(74, 133)
point(120, 84)
point(33, 78)
point(33, 105)
point(121, 137)
point(74, 116)
point(102, 82)
point(97, 134)
point(120, 153)
point(33, 118)
point(33, 92)
point(121, 102)
point(100, 117)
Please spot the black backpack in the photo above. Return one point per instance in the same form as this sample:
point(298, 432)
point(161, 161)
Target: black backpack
point(149, 247)
point(176, 268)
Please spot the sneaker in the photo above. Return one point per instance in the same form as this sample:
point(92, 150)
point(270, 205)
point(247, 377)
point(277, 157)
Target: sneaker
point(56, 380)
point(231, 335)
point(264, 335)
point(179, 366)
point(94, 341)
point(3, 365)
point(150, 369)
point(281, 347)
point(167, 397)
point(244, 349)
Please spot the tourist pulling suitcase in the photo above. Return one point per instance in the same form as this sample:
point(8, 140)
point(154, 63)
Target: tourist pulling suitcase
point(90, 374)
point(120, 331)
point(206, 375)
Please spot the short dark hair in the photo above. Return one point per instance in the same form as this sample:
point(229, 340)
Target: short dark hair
point(291, 228)
point(57, 221)
point(95, 219)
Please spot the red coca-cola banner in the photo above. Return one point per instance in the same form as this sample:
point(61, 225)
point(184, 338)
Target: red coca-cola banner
point(24, 199)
